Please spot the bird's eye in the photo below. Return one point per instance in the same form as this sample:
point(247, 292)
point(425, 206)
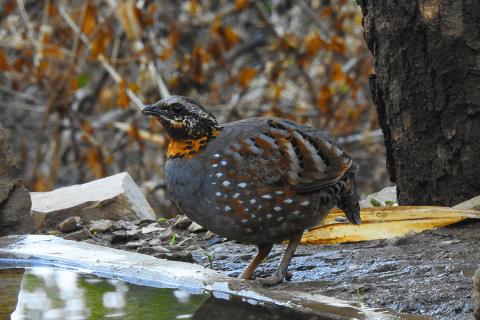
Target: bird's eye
point(176, 109)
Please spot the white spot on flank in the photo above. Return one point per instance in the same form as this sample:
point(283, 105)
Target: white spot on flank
point(259, 207)
point(218, 194)
point(252, 201)
point(242, 185)
point(296, 212)
point(214, 183)
point(225, 183)
point(219, 174)
point(215, 165)
point(248, 230)
point(236, 195)
point(280, 219)
point(216, 155)
point(279, 192)
point(267, 196)
point(224, 163)
point(217, 208)
point(305, 203)
point(246, 209)
point(269, 216)
point(244, 220)
point(288, 201)
point(227, 208)
point(277, 208)
point(253, 216)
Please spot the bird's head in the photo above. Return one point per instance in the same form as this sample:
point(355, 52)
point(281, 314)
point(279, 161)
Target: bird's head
point(183, 118)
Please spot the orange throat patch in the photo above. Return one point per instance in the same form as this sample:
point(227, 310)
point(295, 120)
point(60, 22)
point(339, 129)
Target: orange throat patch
point(189, 148)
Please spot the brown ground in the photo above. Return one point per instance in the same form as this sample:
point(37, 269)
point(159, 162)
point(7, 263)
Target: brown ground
point(428, 273)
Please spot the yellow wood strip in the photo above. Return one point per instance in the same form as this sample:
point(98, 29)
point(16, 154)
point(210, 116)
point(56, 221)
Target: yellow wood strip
point(383, 223)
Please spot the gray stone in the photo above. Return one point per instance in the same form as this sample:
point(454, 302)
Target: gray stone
point(396, 242)
point(147, 230)
point(176, 256)
point(166, 234)
point(182, 223)
point(387, 194)
point(195, 227)
point(70, 224)
point(79, 235)
point(133, 245)
point(210, 235)
point(134, 233)
point(152, 250)
point(115, 198)
point(155, 242)
point(154, 225)
point(118, 236)
point(411, 234)
point(476, 295)
point(185, 242)
point(120, 225)
point(101, 225)
point(15, 201)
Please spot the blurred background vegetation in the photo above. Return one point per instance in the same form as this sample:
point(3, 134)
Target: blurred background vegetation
point(74, 75)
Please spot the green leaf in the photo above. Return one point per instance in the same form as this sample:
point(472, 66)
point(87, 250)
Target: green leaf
point(162, 219)
point(173, 240)
point(344, 88)
point(95, 233)
point(264, 260)
point(374, 202)
point(358, 297)
point(82, 81)
point(389, 203)
point(269, 7)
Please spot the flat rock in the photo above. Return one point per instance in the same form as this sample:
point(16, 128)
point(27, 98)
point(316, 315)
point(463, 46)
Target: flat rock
point(133, 245)
point(387, 194)
point(115, 198)
point(152, 250)
point(15, 201)
point(166, 234)
point(146, 230)
point(182, 222)
point(176, 256)
point(118, 236)
point(101, 225)
point(195, 227)
point(134, 233)
point(79, 235)
point(70, 224)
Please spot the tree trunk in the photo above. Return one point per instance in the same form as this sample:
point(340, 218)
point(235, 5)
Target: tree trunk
point(427, 93)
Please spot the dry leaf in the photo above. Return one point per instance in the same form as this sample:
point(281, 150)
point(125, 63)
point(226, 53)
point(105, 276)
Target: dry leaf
point(241, 4)
point(337, 73)
point(4, 61)
point(246, 76)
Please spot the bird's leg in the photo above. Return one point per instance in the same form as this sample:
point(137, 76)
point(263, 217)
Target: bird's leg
point(263, 251)
point(287, 257)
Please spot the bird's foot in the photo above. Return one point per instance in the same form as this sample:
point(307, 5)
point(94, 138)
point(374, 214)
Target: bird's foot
point(275, 279)
point(270, 281)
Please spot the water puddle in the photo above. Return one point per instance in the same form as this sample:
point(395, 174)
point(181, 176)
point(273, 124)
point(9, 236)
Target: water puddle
point(52, 293)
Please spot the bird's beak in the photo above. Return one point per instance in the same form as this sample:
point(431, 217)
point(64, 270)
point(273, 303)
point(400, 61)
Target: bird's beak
point(151, 110)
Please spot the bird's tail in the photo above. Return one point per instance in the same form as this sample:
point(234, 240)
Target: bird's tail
point(349, 198)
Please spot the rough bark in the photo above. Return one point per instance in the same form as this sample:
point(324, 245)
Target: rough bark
point(427, 92)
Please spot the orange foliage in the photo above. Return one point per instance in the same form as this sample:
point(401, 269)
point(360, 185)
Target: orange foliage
point(337, 73)
point(241, 4)
point(95, 161)
point(3, 61)
point(246, 75)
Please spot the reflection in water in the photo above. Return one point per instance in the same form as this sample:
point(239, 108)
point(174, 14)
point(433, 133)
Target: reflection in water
point(47, 293)
point(57, 294)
